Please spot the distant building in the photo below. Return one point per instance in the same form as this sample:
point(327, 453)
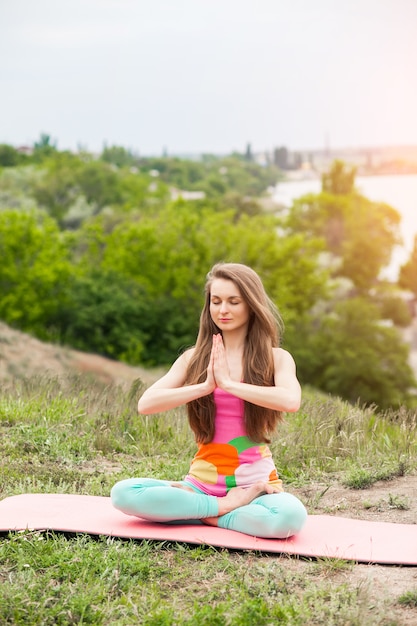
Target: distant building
point(28, 150)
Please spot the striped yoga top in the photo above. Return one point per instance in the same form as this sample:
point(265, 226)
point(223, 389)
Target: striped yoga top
point(231, 459)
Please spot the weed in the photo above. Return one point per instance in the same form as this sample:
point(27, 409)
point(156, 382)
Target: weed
point(409, 598)
point(329, 566)
point(367, 504)
point(398, 502)
point(359, 478)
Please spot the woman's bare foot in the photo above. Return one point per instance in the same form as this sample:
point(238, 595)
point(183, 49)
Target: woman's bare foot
point(240, 496)
point(236, 497)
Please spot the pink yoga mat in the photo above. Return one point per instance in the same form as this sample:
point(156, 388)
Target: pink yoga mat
point(322, 536)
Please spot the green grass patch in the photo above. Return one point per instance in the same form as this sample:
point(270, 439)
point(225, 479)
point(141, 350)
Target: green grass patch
point(330, 436)
point(409, 598)
point(52, 579)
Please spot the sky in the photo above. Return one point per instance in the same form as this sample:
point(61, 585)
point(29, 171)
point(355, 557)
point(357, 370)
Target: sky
point(192, 76)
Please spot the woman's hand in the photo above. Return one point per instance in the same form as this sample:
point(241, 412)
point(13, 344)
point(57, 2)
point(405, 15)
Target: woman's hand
point(220, 366)
point(210, 380)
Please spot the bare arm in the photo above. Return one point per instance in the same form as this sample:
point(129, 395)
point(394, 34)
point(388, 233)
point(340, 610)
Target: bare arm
point(284, 396)
point(169, 391)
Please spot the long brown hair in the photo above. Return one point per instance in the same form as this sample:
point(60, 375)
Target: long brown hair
point(258, 364)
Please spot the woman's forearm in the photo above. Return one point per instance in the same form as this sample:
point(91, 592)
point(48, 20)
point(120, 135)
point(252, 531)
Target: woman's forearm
point(277, 398)
point(157, 400)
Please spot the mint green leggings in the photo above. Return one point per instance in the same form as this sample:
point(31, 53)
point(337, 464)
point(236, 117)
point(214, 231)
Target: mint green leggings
point(272, 516)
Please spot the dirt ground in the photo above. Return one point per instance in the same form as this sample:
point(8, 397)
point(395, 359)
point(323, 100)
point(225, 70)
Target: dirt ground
point(392, 501)
point(389, 501)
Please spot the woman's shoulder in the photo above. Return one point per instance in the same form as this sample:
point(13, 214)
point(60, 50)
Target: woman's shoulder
point(282, 357)
point(186, 356)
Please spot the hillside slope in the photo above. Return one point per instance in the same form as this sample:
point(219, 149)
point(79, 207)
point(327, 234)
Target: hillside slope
point(23, 356)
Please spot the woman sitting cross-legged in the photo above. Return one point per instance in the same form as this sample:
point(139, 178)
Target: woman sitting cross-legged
point(236, 382)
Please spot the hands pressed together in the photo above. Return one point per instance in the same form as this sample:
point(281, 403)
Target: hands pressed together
point(218, 373)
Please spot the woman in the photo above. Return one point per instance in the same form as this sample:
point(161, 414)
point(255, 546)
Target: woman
point(236, 382)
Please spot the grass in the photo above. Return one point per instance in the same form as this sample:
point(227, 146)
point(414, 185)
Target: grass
point(393, 502)
point(330, 436)
point(77, 436)
point(53, 579)
point(409, 598)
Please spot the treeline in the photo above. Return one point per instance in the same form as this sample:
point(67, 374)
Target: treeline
point(96, 255)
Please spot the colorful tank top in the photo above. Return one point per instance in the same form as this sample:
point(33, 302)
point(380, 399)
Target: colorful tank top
point(231, 459)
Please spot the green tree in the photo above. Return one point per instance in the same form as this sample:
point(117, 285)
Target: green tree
point(349, 353)
point(180, 173)
point(169, 253)
point(339, 180)
point(57, 187)
point(44, 148)
point(408, 272)
point(9, 156)
point(16, 187)
point(119, 156)
point(33, 270)
point(68, 182)
point(372, 231)
point(213, 175)
point(140, 191)
point(391, 305)
point(359, 234)
point(102, 312)
point(99, 183)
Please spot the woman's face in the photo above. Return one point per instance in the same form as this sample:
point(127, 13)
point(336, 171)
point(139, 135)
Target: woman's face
point(228, 310)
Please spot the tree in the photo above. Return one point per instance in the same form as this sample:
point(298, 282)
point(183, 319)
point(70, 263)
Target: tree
point(57, 189)
point(168, 253)
point(9, 156)
point(371, 232)
point(343, 347)
point(44, 147)
point(349, 353)
point(359, 234)
point(391, 305)
point(99, 183)
point(408, 272)
point(248, 152)
point(216, 176)
point(34, 269)
point(119, 156)
point(102, 312)
point(339, 180)
point(66, 177)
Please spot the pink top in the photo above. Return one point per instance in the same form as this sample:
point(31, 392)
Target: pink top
point(231, 459)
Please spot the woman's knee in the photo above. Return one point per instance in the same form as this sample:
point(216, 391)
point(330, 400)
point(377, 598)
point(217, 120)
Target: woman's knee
point(119, 491)
point(292, 514)
point(122, 492)
point(272, 516)
point(287, 515)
